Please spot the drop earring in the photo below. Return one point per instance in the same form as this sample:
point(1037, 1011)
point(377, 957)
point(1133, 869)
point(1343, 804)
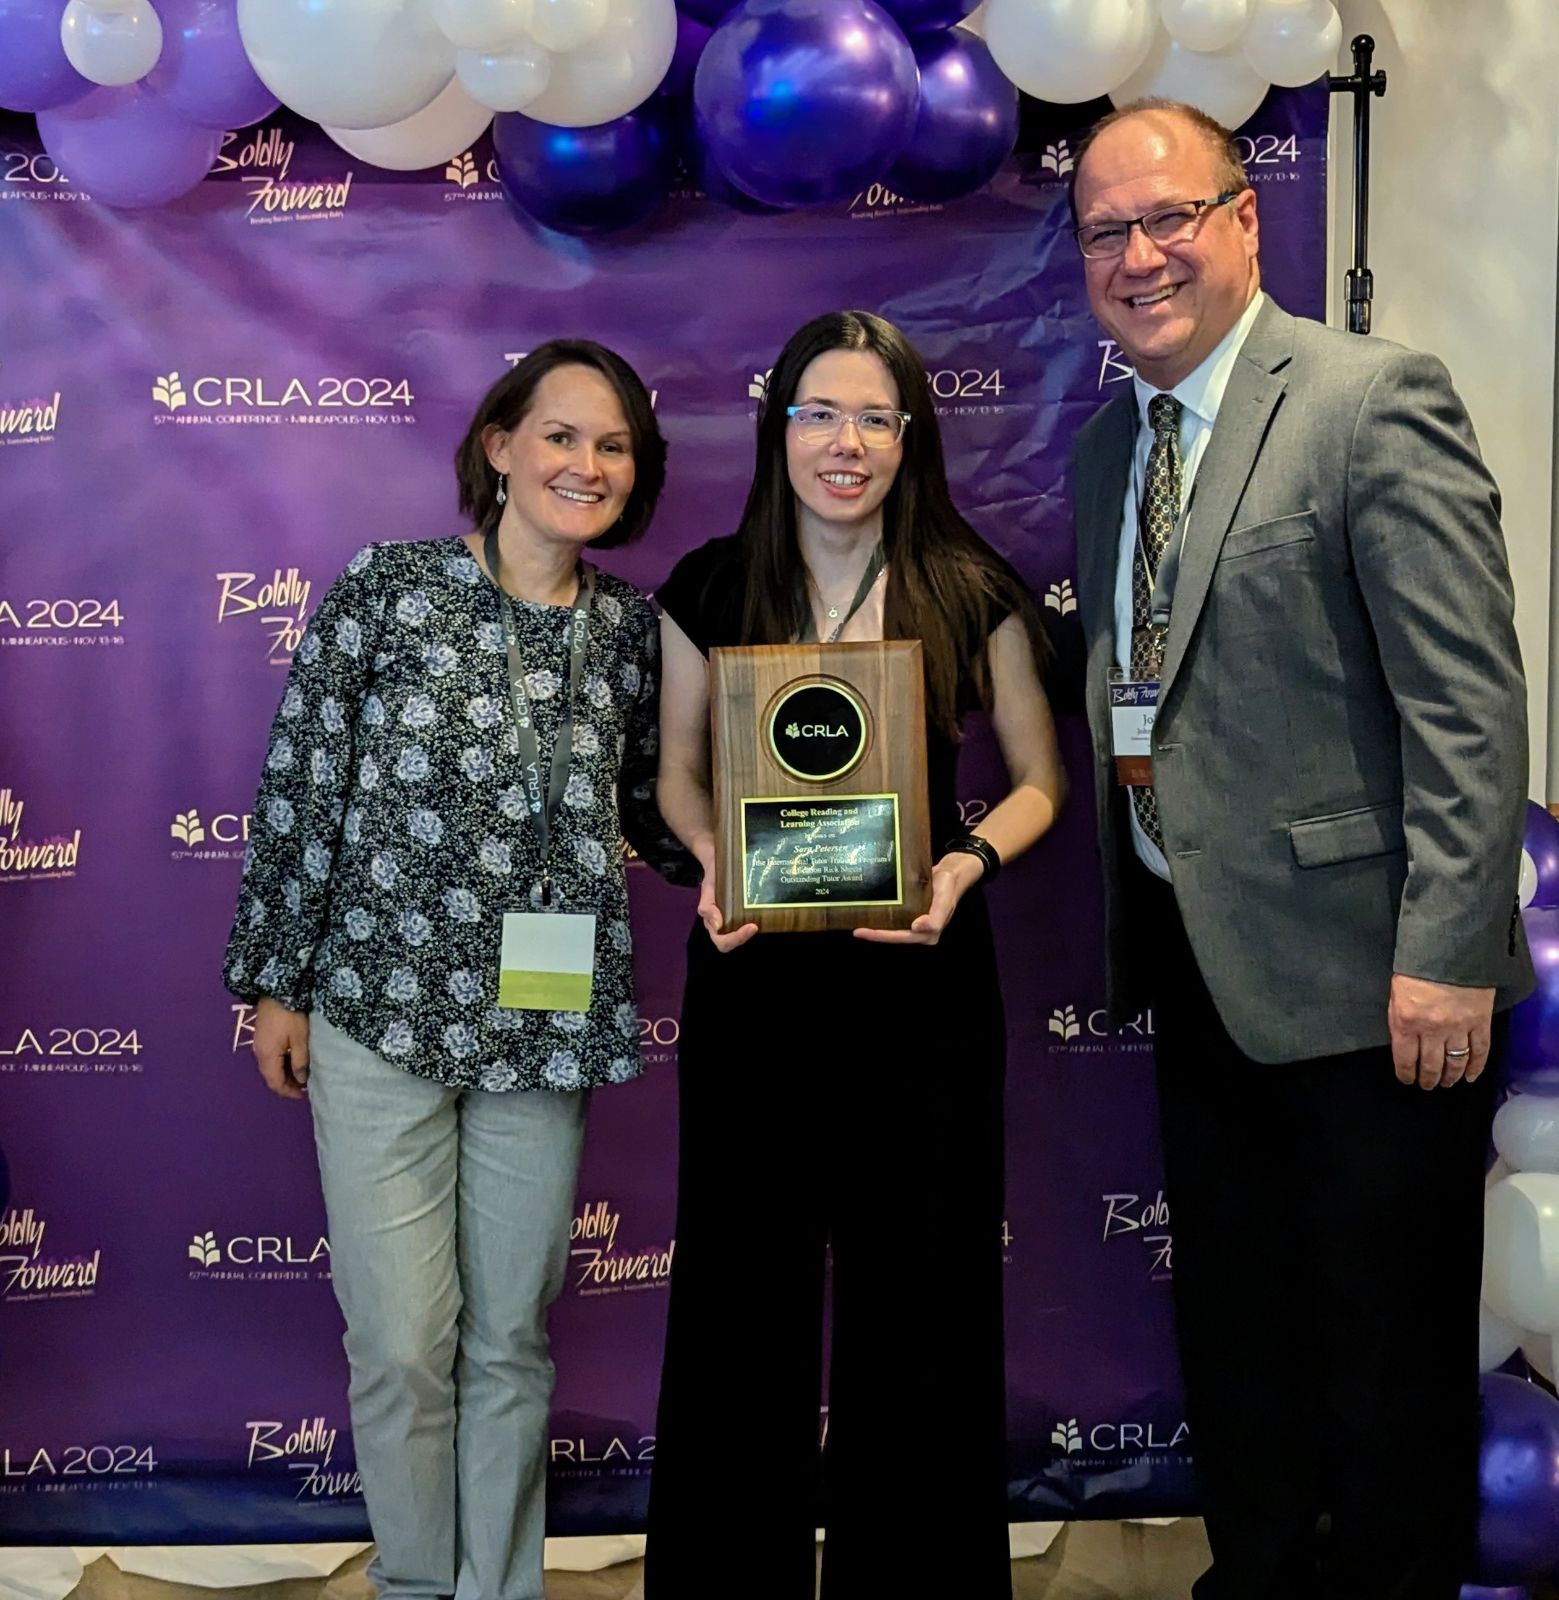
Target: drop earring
point(503, 492)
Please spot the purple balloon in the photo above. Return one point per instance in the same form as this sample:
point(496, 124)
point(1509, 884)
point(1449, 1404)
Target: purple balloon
point(126, 147)
point(709, 12)
point(967, 123)
point(34, 73)
point(1533, 1062)
point(804, 102)
point(1541, 842)
point(1480, 1591)
point(928, 16)
point(584, 180)
point(204, 72)
point(1518, 1479)
point(691, 38)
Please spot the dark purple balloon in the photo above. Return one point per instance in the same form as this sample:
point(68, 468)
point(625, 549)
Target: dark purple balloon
point(584, 180)
point(1480, 1591)
point(203, 72)
point(1518, 1480)
point(1534, 1024)
point(709, 12)
point(126, 147)
point(691, 38)
point(967, 123)
point(804, 102)
point(34, 72)
point(928, 16)
point(1541, 842)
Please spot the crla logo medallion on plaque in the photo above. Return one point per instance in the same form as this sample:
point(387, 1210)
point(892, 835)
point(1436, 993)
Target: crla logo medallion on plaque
point(817, 731)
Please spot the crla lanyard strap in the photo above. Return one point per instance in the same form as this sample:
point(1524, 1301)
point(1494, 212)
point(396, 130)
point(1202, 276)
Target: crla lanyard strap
point(879, 560)
point(544, 808)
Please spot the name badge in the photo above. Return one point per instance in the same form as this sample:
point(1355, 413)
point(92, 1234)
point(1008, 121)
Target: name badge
point(1133, 711)
point(547, 962)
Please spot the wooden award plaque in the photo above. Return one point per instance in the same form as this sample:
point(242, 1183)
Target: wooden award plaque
point(822, 813)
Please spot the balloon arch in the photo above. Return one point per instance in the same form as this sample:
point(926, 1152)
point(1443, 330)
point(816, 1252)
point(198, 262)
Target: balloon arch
point(775, 104)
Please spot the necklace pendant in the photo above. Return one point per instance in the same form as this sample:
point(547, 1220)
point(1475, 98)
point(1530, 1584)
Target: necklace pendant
point(833, 611)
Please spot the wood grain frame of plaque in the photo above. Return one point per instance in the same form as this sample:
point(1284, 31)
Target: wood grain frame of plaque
point(822, 812)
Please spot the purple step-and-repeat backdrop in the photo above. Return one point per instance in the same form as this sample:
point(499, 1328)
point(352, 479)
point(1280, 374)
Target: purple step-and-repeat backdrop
point(204, 410)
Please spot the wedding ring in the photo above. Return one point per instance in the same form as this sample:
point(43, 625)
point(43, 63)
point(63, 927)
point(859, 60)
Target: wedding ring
point(1457, 1055)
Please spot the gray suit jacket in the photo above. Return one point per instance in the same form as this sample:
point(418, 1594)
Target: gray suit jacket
point(1340, 754)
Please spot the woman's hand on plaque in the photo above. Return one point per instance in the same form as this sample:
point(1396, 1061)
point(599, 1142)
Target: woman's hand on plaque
point(281, 1048)
point(713, 918)
point(950, 877)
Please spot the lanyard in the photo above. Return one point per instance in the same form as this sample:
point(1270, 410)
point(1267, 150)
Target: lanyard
point(544, 808)
point(879, 560)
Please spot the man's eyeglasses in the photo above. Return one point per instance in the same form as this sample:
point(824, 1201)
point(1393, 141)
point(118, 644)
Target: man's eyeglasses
point(879, 430)
point(1167, 225)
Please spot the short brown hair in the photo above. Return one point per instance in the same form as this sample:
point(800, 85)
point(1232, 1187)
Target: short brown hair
point(1230, 173)
point(504, 406)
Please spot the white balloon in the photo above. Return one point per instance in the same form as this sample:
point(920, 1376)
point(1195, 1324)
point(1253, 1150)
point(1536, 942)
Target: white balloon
point(1498, 1340)
point(348, 63)
point(975, 22)
point(1292, 42)
point(1219, 82)
point(1205, 24)
point(1526, 1132)
point(427, 138)
point(1540, 1354)
point(617, 70)
point(1521, 1250)
point(490, 26)
point(564, 25)
point(1526, 887)
point(1069, 50)
point(508, 82)
point(111, 47)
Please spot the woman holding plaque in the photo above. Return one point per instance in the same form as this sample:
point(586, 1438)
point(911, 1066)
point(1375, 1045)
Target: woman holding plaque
point(433, 929)
point(843, 1091)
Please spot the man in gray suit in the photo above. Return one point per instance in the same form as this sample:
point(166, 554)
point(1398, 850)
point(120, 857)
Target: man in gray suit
point(1309, 734)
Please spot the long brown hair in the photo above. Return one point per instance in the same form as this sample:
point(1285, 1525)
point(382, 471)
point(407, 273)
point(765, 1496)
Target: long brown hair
point(946, 586)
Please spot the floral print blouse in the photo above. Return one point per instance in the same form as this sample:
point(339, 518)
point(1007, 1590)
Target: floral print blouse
point(391, 831)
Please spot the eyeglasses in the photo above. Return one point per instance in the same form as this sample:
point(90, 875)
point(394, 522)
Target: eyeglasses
point(1168, 225)
point(879, 430)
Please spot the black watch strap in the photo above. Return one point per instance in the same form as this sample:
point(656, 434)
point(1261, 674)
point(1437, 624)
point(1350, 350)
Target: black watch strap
point(972, 844)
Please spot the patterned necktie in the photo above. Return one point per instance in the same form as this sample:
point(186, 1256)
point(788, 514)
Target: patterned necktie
point(1157, 516)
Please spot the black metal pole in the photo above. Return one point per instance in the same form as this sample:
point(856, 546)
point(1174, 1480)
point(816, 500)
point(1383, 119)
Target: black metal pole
point(1361, 85)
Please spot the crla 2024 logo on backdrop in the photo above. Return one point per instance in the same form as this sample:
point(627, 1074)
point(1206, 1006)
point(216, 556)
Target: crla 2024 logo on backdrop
point(208, 835)
point(52, 855)
point(34, 175)
point(48, 621)
point(599, 1268)
point(305, 1455)
point(1089, 1032)
point(260, 161)
point(277, 604)
point(256, 400)
point(56, 1469)
point(467, 179)
point(33, 1268)
point(75, 1052)
point(955, 391)
point(1118, 1443)
point(257, 1257)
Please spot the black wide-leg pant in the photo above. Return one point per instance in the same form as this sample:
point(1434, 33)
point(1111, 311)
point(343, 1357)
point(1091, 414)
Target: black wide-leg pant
point(846, 1098)
point(1328, 1237)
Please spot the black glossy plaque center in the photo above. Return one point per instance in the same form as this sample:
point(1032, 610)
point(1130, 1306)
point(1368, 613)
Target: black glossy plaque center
point(825, 850)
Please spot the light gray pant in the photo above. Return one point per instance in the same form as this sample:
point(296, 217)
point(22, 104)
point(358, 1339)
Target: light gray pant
point(449, 1213)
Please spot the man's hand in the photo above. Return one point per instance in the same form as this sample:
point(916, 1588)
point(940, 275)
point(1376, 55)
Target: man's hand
point(1430, 1022)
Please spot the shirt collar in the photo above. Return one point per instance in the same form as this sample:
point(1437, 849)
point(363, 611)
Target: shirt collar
point(1201, 391)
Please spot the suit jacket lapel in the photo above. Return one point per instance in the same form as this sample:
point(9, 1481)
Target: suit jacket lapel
point(1255, 387)
point(1101, 496)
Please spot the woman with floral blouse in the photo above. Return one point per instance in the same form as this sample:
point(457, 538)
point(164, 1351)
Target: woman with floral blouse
point(433, 928)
